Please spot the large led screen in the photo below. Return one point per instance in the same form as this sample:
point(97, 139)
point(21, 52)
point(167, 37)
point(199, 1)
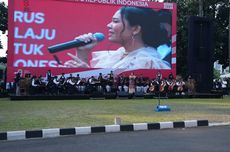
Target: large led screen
point(88, 37)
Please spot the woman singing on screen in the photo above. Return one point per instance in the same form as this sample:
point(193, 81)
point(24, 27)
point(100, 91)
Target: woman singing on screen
point(137, 31)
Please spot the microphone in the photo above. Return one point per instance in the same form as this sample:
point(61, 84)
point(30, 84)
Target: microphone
point(74, 43)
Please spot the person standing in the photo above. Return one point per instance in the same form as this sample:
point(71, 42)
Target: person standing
point(17, 85)
point(48, 76)
point(132, 84)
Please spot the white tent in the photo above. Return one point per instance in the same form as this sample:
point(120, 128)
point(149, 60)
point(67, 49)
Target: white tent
point(225, 75)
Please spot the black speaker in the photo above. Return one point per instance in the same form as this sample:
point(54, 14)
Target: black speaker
point(200, 52)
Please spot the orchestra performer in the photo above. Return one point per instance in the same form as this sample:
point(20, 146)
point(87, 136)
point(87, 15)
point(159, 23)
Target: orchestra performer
point(132, 84)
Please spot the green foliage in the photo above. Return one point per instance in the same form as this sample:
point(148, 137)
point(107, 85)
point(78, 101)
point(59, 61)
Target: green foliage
point(3, 59)
point(221, 20)
point(3, 19)
point(216, 74)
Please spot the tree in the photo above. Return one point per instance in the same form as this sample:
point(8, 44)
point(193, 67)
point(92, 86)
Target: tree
point(3, 19)
point(216, 74)
point(219, 11)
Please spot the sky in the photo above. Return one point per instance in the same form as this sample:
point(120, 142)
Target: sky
point(3, 38)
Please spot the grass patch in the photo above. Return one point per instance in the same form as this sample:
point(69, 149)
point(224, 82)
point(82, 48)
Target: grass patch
point(30, 115)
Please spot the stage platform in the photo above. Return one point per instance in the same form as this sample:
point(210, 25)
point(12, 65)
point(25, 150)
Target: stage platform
point(110, 96)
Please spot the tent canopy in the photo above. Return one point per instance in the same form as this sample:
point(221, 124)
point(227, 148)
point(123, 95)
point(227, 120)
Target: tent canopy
point(225, 75)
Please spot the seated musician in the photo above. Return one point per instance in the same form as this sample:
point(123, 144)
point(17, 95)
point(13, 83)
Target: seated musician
point(50, 86)
point(92, 84)
point(55, 80)
point(154, 86)
point(70, 84)
point(62, 83)
point(40, 80)
point(41, 84)
point(124, 84)
point(78, 80)
point(100, 83)
point(109, 82)
point(163, 86)
point(81, 85)
point(171, 85)
point(146, 85)
point(120, 82)
point(62, 78)
point(140, 84)
point(34, 85)
point(56, 84)
point(92, 80)
point(180, 87)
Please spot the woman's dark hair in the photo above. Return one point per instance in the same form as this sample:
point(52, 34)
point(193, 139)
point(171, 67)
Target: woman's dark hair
point(148, 19)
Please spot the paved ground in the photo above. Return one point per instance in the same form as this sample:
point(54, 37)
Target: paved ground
point(201, 139)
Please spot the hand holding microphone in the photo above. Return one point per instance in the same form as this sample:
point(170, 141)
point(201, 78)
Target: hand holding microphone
point(85, 41)
point(90, 40)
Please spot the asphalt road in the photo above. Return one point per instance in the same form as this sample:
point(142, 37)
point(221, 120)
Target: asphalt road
point(201, 139)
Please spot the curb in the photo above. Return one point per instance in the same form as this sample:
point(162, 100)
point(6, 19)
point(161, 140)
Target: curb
point(219, 124)
point(56, 132)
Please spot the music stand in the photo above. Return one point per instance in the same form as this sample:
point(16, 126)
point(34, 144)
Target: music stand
point(159, 107)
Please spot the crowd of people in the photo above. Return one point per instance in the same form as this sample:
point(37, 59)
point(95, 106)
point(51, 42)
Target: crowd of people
point(119, 84)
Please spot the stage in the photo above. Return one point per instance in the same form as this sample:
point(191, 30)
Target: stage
point(112, 96)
